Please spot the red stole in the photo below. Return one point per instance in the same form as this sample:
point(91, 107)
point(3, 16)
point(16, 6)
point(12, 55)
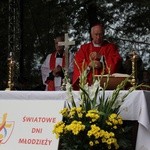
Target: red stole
point(52, 63)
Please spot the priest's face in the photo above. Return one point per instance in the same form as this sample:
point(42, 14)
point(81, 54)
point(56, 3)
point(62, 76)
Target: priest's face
point(59, 49)
point(97, 34)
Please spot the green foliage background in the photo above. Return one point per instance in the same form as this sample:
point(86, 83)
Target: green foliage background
point(126, 23)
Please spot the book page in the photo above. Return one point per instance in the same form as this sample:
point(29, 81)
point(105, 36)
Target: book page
point(120, 75)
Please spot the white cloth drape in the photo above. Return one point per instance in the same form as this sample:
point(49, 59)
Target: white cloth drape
point(135, 107)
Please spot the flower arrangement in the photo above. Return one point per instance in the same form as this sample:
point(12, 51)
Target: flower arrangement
point(94, 123)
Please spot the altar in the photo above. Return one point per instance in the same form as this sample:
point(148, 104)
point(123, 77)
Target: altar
point(135, 108)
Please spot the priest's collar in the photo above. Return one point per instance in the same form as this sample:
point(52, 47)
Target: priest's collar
point(99, 45)
point(96, 45)
point(59, 55)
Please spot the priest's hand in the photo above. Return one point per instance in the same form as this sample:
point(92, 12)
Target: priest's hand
point(58, 71)
point(96, 64)
point(95, 56)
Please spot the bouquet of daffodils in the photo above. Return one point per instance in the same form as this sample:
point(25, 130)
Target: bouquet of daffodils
point(95, 123)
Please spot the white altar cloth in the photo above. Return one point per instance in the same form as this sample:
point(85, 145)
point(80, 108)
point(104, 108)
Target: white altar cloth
point(135, 107)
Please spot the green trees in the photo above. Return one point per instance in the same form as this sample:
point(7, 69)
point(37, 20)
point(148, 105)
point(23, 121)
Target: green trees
point(127, 23)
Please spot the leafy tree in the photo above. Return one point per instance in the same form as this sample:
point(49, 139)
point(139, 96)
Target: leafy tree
point(3, 43)
point(127, 24)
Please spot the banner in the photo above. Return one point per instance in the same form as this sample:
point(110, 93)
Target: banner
point(28, 124)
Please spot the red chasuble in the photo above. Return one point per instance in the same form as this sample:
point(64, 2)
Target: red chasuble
point(52, 64)
point(109, 51)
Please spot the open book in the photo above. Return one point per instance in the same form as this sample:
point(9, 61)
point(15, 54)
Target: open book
point(114, 80)
point(120, 75)
point(115, 75)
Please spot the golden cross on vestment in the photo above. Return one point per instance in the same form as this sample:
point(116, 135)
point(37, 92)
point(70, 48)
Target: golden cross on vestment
point(66, 43)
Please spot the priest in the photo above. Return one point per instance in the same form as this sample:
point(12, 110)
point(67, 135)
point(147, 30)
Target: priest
point(52, 69)
point(98, 54)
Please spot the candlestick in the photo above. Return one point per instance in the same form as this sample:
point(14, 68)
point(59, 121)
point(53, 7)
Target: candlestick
point(10, 72)
point(134, 57)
